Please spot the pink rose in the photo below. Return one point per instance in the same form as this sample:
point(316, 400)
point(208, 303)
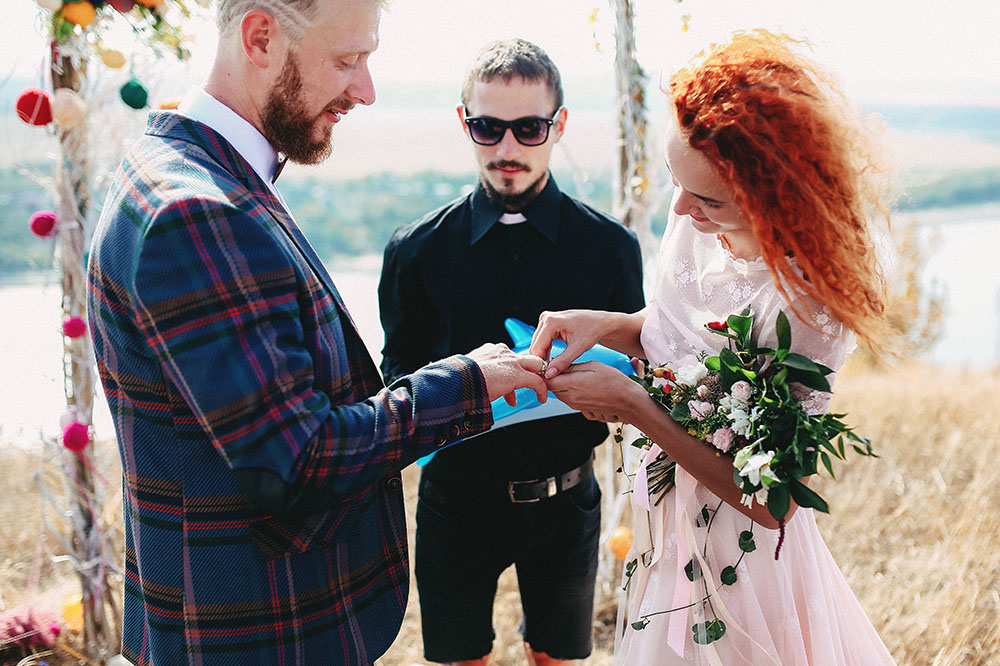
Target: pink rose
point(741, 391)
point(702, 391)
point(722, 439)
point(699, 410)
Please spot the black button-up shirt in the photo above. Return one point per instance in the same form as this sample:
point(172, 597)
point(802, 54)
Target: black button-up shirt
point(451, 278)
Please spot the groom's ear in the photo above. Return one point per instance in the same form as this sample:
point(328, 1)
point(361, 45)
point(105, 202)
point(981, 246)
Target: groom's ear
point(261, 38)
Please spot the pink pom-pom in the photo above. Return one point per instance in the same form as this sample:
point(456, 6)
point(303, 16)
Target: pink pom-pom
point(43, 223)
point(76, 436)
point(74, 327)
point(55, 629)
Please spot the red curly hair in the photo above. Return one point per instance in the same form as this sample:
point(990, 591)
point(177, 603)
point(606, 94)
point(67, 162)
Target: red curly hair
point(777, 130)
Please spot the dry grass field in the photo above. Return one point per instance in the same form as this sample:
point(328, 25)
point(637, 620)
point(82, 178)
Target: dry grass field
point(917, 532)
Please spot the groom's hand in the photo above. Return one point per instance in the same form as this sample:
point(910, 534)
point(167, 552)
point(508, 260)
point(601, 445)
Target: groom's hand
point(506, 372)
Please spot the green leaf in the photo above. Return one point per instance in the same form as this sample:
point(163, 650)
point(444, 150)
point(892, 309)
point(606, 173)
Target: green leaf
point(680, 412)
point(692, 571)
point(740, 324)
point(705, 515)
point(641, 442)
point(712, 363)
point(808, 498)
point(708, 632)
point(784, 331)
point(728, 576)
point(640, 624)
point(730, 360)
point(747, 543)
point(825, 457)
point(778, 501)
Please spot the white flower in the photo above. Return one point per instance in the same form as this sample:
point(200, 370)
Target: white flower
point(690, 375)
point(741, 421)
point(759, 464)
point(760, 496)
point(702, 391)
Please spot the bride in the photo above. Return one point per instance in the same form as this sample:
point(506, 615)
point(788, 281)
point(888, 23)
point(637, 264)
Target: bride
point(773, 191)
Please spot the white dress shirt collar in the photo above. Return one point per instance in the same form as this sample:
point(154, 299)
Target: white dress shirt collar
point(244, 137)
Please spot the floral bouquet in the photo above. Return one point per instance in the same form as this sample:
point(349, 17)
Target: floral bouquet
point(764, 406)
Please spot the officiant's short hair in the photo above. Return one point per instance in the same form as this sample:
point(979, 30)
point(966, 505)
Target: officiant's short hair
point(294, 16)
point(509, 58)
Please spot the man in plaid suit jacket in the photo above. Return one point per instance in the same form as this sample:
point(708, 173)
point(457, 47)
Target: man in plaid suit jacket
point(263, 506)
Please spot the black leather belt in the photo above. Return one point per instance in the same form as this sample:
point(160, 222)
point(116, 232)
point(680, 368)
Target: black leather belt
point(522, 492)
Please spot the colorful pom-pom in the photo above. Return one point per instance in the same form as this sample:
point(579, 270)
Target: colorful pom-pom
point(80, 13)
point(43, 223)
point(134, 94)
point(112, 58)
point(34, 107)
point(52, 5)
point(76, 436)
point(74, 327)
point(68, 108)
point(123, 6)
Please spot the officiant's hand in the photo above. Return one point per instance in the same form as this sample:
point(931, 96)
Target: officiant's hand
point(505, 372)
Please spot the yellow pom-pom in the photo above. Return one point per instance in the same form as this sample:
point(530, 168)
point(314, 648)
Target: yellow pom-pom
point(72, 612)
point(620, 541)
point(113, 58)
point(79, 13)
point(169, 104)
point(150, 3)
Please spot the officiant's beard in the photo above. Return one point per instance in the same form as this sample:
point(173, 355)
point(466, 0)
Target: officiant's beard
point(293, 131)
point(514, 203)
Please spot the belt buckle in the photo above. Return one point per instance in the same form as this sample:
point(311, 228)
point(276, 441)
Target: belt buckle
point(551, 489)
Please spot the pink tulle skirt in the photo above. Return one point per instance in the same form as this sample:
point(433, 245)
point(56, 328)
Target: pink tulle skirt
point(796, 611)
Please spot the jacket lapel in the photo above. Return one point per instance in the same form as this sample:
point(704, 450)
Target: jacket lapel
point(181, 128)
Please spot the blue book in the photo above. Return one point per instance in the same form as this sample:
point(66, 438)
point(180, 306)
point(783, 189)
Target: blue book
point(528, 408)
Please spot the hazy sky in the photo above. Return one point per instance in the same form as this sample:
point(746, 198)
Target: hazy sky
point(916, 49)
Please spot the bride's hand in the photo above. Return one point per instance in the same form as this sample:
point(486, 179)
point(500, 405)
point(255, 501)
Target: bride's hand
point(579, 329)
point(599, 392)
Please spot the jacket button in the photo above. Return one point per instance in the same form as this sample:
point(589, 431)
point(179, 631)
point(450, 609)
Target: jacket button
point(467, 424)
point(395, 483)
point(456, 431)
point(442, 441)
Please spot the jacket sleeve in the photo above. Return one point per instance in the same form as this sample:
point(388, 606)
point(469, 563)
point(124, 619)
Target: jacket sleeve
point(220, 303)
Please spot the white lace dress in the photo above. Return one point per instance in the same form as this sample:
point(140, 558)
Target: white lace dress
point(797, 610)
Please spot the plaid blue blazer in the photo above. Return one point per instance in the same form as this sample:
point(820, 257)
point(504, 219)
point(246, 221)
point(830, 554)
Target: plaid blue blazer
point(263, 506)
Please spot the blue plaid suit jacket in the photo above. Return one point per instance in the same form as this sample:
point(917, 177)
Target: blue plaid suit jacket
point(263, 506)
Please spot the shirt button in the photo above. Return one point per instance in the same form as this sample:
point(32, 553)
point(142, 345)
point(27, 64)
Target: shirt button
point(394, 483)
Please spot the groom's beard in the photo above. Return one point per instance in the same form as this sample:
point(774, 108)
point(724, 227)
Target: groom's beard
point(289, 127)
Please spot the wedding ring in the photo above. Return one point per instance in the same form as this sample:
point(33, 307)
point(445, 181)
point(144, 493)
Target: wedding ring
point(545, 366)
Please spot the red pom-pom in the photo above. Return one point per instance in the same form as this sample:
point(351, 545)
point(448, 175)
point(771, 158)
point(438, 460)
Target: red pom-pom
point(74, 327)
point(43, 223)
point(123, 6)
point(76, 436)
point(34, 107)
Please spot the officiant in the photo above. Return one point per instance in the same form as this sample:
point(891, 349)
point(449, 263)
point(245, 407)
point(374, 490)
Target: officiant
point(524, 495)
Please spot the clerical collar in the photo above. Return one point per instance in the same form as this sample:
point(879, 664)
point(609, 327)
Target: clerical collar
point(542, 213)
point(512, 218)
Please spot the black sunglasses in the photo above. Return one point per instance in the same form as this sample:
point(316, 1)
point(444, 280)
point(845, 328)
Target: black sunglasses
point(529, 131)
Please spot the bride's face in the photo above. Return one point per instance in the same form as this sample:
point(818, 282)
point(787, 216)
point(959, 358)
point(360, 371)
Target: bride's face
point(702, 194)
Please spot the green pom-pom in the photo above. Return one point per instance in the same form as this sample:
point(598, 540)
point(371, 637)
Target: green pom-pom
point(134, 94)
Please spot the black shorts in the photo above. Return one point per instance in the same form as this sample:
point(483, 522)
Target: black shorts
point(465, 541)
